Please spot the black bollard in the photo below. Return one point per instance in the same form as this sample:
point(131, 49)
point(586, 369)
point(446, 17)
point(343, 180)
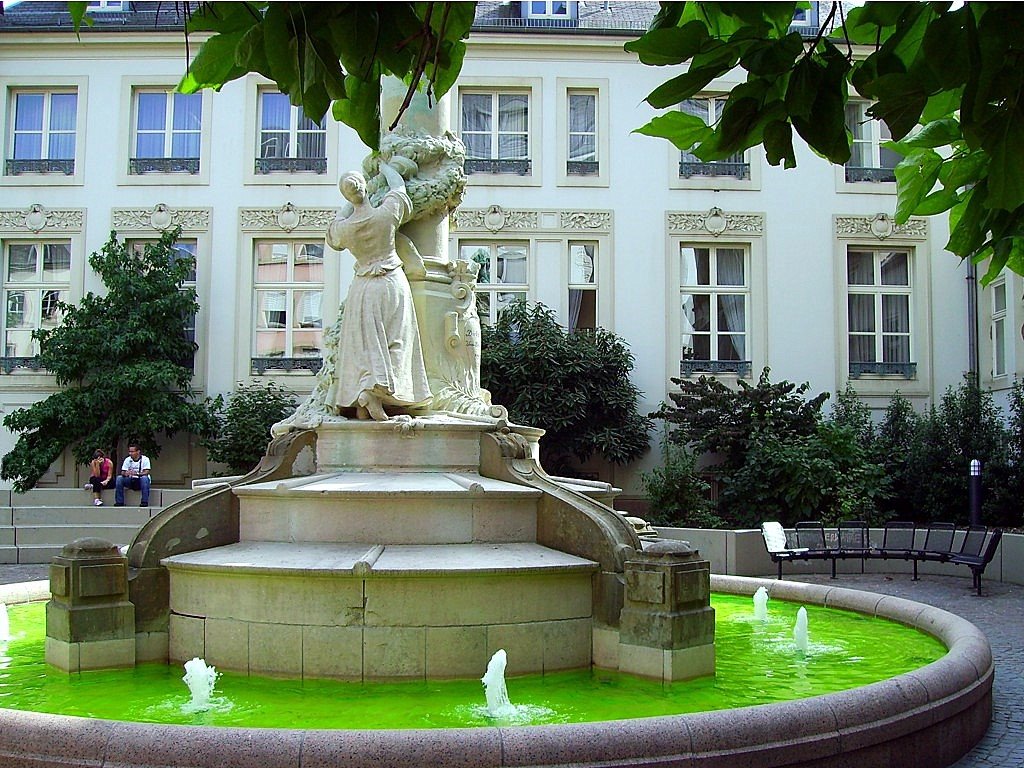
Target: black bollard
point(974, 492)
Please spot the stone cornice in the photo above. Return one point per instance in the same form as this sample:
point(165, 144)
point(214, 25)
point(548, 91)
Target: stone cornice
point(287, 218)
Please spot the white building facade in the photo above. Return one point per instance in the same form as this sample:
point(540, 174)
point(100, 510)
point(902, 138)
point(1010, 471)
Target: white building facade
point(703, 268)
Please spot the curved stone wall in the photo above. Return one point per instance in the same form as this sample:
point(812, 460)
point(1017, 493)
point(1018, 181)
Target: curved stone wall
point(930, 716)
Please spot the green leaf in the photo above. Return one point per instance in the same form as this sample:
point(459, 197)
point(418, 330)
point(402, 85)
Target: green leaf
point(683, 130)
point(1003, 141)
point(672, 45)
point(214, 65)
point(937, 133)
point(916, 174)
point(773, 57)
point(968, 222)
point(778, 143)
point(937, 202)
point(942, 104)
point(78, 15)
point(963, 169)
point(361, 110)
point(682, 87)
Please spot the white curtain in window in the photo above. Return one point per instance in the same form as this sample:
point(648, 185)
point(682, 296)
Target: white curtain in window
point(513, 126)
point(511, 265)
point(731, 307)
point(476, 124)
point(581, 271)
point(63, 108)
point(582, 126)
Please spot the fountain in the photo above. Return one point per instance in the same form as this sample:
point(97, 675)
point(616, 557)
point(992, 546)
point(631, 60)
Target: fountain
point(5, 624)
point(761, 604)
point(800, 630)
point(200, 680)
point(386, 539)
point(495, 691)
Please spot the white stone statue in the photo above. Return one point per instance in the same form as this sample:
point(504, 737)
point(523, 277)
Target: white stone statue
point(379, 361)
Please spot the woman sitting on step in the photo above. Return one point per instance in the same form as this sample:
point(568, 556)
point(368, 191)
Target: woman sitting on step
point(101, 475)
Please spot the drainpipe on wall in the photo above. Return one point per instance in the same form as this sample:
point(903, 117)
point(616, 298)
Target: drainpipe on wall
point(972, 320)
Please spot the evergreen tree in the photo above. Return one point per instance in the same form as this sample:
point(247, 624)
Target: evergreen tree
point(123, 362)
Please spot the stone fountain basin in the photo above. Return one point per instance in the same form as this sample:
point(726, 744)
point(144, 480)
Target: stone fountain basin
point(928, 717)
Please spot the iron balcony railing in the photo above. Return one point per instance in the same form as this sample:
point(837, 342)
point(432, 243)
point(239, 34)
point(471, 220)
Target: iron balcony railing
point(140, 165)
point(855, 174)
point(741, 368)
point(261, 365)
point(17, 167)
point(687, 169)
point(480, 165)
point(8, 364)
point(906, 370)
point(291, 164)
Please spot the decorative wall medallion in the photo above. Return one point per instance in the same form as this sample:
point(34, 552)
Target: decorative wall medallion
point(880, 226)
point(161, 217)
point(494, 219)
point(278, 218)
point(715, 222)
point(288, 217)
point(37, 218)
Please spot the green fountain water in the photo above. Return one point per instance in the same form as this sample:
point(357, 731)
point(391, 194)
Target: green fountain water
point(757, 663)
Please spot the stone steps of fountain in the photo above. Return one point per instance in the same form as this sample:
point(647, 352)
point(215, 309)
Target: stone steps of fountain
point(396, 507)
point(364, 611)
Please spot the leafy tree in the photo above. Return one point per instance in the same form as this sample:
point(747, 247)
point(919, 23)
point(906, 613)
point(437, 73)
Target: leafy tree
point(945, 80)
point(896, 445)
point(243, 425)
point(573, 384)
point(328, 56)
point(1005, 506)
point(123, 363)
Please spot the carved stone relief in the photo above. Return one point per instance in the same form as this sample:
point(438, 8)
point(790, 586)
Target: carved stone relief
point(36, 218)
point(287, 218)
point(497, 219)
point(161, 217)
point(880, 226)
point(715, 222)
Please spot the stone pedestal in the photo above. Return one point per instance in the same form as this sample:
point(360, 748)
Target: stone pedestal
point(668, 625)
point(90, 622)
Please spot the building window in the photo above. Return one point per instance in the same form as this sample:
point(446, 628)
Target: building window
point(582, 156)
point(168, 130)
point(709, 109)
point(503, 277)
point(181, 249)
point(879, 294)
point(869, 160)
point(495, 130)
point(998, 330)
point(288, 140)
point(289, 287)
point(37, 277)
point(582, 285)
point(43, 132)
point(714, 303)
point(548, 9)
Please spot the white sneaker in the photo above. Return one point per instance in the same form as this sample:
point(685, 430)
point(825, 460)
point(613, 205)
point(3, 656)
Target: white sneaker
point(87, 487)
point(97, 503)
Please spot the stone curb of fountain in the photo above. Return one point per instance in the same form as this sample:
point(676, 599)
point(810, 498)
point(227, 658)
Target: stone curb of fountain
point(940, 710)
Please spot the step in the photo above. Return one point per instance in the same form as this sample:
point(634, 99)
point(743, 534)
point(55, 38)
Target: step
point(7, 535)
point(84, 515)
point(59, 535)
point(39, 553)
point(392, 507)
point(365, 611)
point(59, 497)
point(6, 516)
point(8, 554)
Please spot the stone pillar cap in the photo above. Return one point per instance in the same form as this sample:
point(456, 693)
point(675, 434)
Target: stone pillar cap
point(90, 546)
point(670, 549)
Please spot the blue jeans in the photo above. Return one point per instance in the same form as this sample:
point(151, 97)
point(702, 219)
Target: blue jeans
point(136, 484)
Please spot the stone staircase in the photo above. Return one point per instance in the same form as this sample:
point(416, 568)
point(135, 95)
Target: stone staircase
point(34, 526)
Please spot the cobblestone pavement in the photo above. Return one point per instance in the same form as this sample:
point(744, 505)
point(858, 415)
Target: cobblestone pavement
point(999, 613)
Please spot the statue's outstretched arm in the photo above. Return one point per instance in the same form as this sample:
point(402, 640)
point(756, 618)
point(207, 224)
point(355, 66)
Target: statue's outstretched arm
point(393, 177)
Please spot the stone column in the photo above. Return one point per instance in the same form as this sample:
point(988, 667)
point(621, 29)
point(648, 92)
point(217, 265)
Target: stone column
point(90, 622)
point(667, 628)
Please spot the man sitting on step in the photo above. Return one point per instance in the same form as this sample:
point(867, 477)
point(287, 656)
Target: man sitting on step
point(134, 475)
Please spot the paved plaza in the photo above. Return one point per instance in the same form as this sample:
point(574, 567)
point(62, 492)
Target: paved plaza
point(999, 613)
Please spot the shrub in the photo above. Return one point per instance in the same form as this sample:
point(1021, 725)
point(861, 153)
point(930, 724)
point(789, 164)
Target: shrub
point(677, 494)
point(244, 424)
point(573, 384)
